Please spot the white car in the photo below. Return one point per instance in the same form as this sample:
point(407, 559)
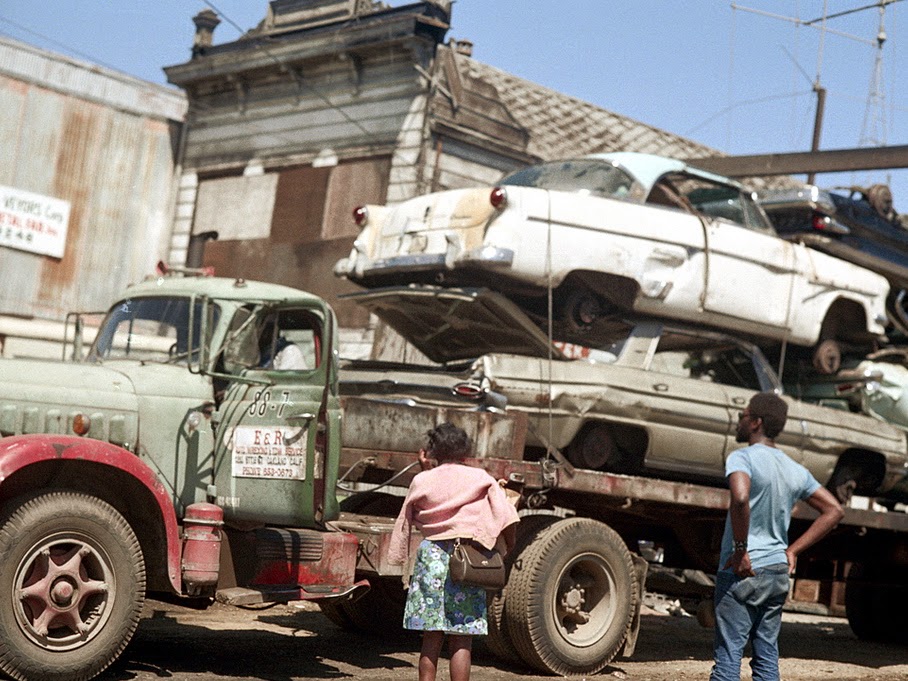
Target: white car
point(619, 232)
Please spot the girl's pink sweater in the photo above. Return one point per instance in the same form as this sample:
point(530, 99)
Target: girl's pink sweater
point(450, 501)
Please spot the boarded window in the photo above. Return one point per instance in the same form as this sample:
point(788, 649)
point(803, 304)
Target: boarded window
point(352, 184)
point(299, 205)
point(237, 208)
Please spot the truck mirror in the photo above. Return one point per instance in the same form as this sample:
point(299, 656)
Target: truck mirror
point(199, 332)
point(78, 337)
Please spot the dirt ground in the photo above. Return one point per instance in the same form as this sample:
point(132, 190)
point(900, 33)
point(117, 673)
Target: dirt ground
point(295, 641)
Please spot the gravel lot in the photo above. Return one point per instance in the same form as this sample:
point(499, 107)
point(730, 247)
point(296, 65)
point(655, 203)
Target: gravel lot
point(290, 642)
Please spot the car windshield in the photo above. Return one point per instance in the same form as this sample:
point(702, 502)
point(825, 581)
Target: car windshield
point(151, 329)
point(586, 176)
point(712, 359)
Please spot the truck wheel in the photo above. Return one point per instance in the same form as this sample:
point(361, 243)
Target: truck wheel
point(571, 598)
point(499, 640)
point(72, 586)
point(871, 596)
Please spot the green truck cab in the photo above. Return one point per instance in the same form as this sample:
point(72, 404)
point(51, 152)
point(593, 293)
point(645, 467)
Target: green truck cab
point(191, 451)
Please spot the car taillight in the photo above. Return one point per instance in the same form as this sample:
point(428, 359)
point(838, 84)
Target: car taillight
point(470, 391)
point(498, 198)
point(821, 222)
point(361, 216)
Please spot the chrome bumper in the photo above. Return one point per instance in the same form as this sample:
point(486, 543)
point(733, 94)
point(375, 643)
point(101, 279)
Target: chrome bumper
point(357, 265)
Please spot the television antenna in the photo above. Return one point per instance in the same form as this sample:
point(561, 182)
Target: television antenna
point(873, 128)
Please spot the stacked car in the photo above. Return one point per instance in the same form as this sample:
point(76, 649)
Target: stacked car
point(588, 248)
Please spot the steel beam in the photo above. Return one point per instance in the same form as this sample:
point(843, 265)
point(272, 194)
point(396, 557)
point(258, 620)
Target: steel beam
point(832, 161)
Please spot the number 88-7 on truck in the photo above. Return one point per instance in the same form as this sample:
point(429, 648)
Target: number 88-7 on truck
point(195, 451)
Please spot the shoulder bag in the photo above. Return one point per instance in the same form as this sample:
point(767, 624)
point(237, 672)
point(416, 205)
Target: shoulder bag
point(471, 564)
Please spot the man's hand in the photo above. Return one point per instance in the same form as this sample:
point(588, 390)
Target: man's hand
point(830, 514)
point(792, 561)
point(740, 564)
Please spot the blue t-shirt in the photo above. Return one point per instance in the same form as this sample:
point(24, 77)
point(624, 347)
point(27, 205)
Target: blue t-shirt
point(776, 483)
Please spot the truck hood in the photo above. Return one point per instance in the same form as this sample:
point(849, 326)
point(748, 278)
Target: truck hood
point(449, 325)
point(73, 383)
point(41, 396)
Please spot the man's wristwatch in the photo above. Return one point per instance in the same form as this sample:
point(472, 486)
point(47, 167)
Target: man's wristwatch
point(740, 546)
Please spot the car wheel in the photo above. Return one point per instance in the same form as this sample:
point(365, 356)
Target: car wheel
point(827, 357)
point(597, 448)
point(581, 310)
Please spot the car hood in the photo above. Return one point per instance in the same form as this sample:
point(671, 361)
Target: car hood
point(449, 325)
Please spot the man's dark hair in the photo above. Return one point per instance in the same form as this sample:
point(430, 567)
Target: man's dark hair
point(447, 442)
point(772, 409)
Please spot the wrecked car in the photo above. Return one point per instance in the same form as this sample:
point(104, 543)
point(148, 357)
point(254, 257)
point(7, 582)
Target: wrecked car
point(655, 398)
point(618, 232)
point(856, 224)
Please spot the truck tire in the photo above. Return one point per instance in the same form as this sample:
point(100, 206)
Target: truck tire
point(571, 598)
point(499, 641)
point(72, 586)
point(872, 595)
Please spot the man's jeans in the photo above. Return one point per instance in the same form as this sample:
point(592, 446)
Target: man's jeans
point(749, 609)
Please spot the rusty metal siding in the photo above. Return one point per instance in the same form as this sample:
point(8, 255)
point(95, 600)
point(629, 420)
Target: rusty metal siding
point(90, 82)
point(95, 150)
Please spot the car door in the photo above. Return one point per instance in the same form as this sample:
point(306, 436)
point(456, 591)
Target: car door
point(718, 371)
point(745, 257)
point(742, 371)
point(688, 414)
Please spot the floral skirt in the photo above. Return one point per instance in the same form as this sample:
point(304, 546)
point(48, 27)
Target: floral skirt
point(435, 603)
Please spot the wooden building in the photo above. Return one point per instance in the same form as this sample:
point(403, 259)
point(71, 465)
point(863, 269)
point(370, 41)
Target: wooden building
point(329, 104)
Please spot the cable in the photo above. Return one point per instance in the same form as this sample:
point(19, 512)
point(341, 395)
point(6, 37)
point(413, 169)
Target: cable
point(299, 78)
point(58, 44)
point(378, 487)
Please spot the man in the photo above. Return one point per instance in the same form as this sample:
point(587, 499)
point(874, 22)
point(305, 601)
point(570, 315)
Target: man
point(278, 353)
point(752, 582)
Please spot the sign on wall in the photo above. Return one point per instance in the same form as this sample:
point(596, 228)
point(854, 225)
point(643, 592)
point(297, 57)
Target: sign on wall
point(33, 222)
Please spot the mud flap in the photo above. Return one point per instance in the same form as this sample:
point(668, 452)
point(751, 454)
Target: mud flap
point(640, 569)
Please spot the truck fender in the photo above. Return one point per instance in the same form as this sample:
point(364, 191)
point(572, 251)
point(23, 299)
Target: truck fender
point(20, 451)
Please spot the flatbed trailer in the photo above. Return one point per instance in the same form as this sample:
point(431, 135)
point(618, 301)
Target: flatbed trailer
point(580, 540)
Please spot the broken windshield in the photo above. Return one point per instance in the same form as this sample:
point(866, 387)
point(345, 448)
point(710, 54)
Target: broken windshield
point(151, 329)
point(587, 176)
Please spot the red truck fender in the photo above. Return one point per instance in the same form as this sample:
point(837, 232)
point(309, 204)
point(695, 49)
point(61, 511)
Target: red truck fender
point(20, 451)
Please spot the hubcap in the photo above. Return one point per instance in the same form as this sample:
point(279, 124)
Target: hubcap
point(64, 592)
point(584, 606)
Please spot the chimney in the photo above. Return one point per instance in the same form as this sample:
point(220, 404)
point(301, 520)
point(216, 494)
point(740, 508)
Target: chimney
point(205, 23)
point(464, 47)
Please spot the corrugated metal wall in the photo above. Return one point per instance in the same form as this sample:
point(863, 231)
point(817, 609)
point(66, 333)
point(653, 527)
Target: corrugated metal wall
point(105, 143)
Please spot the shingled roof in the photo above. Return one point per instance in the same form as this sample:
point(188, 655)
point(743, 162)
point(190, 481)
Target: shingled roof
point(556, 125)
point(561, 126)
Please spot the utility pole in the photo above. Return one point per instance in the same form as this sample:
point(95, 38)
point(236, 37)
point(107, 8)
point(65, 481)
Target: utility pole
point(875, 98)
point(817, 122)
